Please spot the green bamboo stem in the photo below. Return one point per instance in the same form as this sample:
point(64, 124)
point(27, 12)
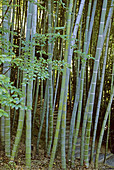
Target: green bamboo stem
point(5, 68)
point(64, 110)
point(29, 90)
point(53, 77)
point(18, 70)
point(20, 125)
point(47, 123)
point(2, 129)
point(22, 110)
point(58, 123)
point(85, 46)
point(100, 94)
point(62, 91)
point(7, 132)
point(72, 24)
point(36, 101)
point(91, 25)
point(73, 118)
point(85, 115)
point(103, 126)
point(34, 88)
point(12, 26)
point(58, 77)
point(32, 16)
point(93, 84)
point(50, 77)
point(55, 96)
point(63, 131)
point(41, 99)
point(28, 125)
point(43, 115)
point(81, 88)
point(88, 43)
point(107, 139)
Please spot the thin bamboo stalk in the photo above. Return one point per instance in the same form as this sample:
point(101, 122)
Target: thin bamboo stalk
point(100, 93)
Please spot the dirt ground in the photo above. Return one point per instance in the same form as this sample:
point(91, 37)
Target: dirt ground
point(40, 162)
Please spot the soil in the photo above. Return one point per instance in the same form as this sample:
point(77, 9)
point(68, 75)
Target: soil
point(40, 162)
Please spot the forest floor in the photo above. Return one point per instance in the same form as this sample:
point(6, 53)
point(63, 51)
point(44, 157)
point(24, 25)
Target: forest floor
point(40, 161)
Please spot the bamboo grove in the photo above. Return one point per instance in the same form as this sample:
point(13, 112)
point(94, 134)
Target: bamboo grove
point(57, 55)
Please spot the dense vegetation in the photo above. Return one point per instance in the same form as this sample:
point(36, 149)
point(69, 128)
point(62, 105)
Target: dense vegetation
point(56, 55)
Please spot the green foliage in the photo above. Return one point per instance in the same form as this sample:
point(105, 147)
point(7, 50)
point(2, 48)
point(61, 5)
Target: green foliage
point(3, 113)
point(36, 68)
point(5, 58)
point(84, 55)
point(62, 3)
point(12, 99)
point(59, 28)
point(41, 39)
point(38, 4)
